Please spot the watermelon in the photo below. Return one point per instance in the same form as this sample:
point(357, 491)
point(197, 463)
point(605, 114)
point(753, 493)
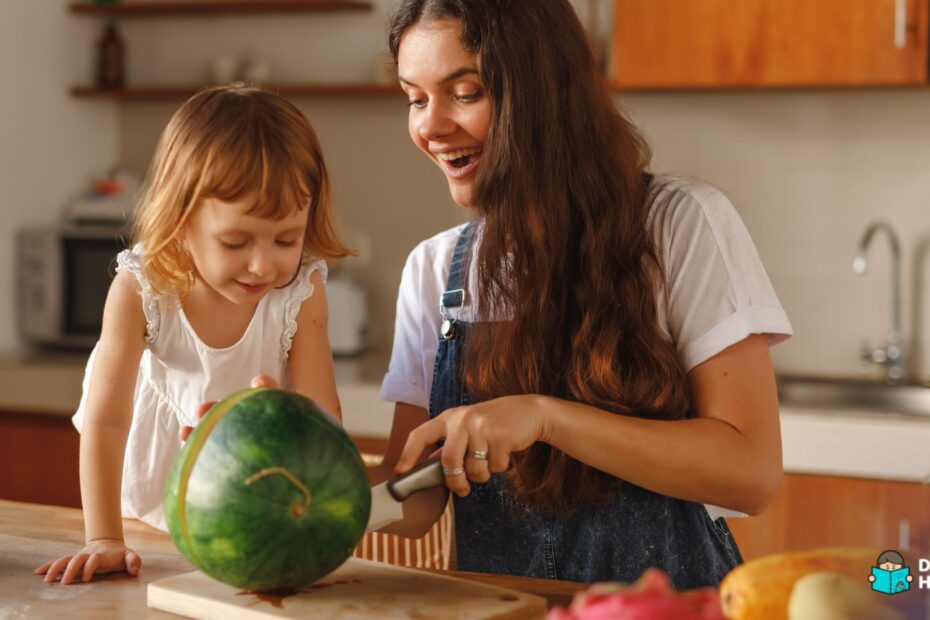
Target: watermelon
point(268, 493)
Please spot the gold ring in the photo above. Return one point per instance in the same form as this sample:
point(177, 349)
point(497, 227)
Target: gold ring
point(481, 455)
point(453, 471)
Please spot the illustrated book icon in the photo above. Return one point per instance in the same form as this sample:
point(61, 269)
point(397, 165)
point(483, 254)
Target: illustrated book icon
point(890, 581)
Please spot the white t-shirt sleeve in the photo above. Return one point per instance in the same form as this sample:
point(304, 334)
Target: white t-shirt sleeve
point(405, 381)
point(718, 292)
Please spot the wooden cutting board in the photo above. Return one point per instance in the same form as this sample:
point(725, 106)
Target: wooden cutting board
point(356, 590)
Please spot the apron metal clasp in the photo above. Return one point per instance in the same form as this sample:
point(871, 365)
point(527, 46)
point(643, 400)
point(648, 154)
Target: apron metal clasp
point(447, 330)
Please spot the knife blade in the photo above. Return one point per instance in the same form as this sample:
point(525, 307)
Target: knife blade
point(387, 498)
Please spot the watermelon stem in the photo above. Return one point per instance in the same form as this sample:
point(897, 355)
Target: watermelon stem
point(297, 510)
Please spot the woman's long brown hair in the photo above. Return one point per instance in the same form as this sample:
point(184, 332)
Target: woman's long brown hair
point(565, 247)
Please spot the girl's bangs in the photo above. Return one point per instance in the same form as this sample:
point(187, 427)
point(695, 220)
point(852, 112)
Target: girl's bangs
point(278, 182)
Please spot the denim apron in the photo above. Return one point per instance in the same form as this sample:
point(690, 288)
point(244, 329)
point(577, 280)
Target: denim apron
point(639, 529)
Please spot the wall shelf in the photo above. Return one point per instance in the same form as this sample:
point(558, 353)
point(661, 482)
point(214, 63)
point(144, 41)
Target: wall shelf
point(182, 91)
point(148, 8)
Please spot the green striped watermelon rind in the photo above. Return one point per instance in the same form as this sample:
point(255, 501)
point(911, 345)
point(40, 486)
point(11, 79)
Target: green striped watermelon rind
point(257, 535)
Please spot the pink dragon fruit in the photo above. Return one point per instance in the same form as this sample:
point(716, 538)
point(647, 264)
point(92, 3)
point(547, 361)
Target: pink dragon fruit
point(650, 598)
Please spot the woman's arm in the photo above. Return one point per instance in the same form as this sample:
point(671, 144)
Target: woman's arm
point(107, 418)
point(729, 455)
point(310, 361)
point(422, 509)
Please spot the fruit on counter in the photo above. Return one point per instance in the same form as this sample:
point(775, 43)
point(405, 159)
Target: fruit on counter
point(831, 596)
point(759, 589)
point(268, 493)
point(650, 598)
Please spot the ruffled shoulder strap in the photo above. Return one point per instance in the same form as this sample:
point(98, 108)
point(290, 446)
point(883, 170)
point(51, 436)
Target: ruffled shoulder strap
point(132, 260)
point(296, 293)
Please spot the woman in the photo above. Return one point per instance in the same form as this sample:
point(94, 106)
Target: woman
point(598, 374)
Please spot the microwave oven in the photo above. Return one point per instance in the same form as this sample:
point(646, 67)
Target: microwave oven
point(63, 276)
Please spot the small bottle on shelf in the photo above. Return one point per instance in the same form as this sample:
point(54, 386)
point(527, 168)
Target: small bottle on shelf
point(111, 59)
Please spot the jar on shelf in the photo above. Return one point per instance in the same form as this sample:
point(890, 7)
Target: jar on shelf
point(111, 59)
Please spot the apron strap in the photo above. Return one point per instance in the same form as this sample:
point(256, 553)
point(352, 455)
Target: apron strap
point(454, 296)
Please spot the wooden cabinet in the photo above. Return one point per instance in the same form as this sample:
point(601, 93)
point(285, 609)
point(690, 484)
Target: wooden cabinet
point(39, 458)
point(750, 43)
point(830, 511)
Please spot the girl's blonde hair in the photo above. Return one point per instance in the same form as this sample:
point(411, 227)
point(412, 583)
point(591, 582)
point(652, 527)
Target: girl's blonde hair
point(227, 143)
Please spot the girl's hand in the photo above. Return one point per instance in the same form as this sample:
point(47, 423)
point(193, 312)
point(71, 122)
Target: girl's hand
point(98, 557)
point(257, 381)
point(496, 428)
point(202, 410)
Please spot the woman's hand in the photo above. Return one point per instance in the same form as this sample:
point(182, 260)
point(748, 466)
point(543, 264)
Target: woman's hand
point(98, 557)
point(257, 381)
point(494, 429)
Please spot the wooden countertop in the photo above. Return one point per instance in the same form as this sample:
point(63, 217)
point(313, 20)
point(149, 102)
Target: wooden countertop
point(31, 534)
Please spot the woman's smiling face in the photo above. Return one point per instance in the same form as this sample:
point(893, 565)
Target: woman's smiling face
point(450, 113)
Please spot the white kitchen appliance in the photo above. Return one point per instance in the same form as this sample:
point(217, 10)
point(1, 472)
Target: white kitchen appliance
point(63, 274)
point(348, 314)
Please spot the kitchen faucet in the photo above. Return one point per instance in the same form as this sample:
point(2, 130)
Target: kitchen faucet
point(891, 355)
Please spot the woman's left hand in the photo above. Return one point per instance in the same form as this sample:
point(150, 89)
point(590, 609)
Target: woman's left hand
point(494, 429)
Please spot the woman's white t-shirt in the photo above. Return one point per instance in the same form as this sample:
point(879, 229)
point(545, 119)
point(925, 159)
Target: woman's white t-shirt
point(178, 372)
point(716, 290)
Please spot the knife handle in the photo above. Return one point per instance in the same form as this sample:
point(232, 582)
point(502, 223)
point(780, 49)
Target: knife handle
point(426, 475)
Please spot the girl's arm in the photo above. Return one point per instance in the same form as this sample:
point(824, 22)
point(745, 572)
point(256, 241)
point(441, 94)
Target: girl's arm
point(728, 455)
point(310, 361)
point(422, 509)
point(107, 418)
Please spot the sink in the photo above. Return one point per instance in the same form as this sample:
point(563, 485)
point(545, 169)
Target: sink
point(824, 393)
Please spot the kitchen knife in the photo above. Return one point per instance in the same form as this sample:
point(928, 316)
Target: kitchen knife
point(387, 498)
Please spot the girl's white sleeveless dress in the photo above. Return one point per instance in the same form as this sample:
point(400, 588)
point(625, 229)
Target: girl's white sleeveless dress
point(178, 372)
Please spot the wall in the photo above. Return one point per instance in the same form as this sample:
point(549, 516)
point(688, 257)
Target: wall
point(807, 170)
point(51, 144)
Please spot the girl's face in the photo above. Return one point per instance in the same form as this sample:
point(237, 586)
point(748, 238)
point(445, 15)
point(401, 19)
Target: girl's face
point(449, 111)
point(242, 257)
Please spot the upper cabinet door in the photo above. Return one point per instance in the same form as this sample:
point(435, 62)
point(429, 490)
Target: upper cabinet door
point(732, 43)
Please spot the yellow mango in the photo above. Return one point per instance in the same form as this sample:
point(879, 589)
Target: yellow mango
point(759, 589)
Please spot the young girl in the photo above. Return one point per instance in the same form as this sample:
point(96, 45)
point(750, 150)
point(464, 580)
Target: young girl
point(598, 366)
point(225, 282)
